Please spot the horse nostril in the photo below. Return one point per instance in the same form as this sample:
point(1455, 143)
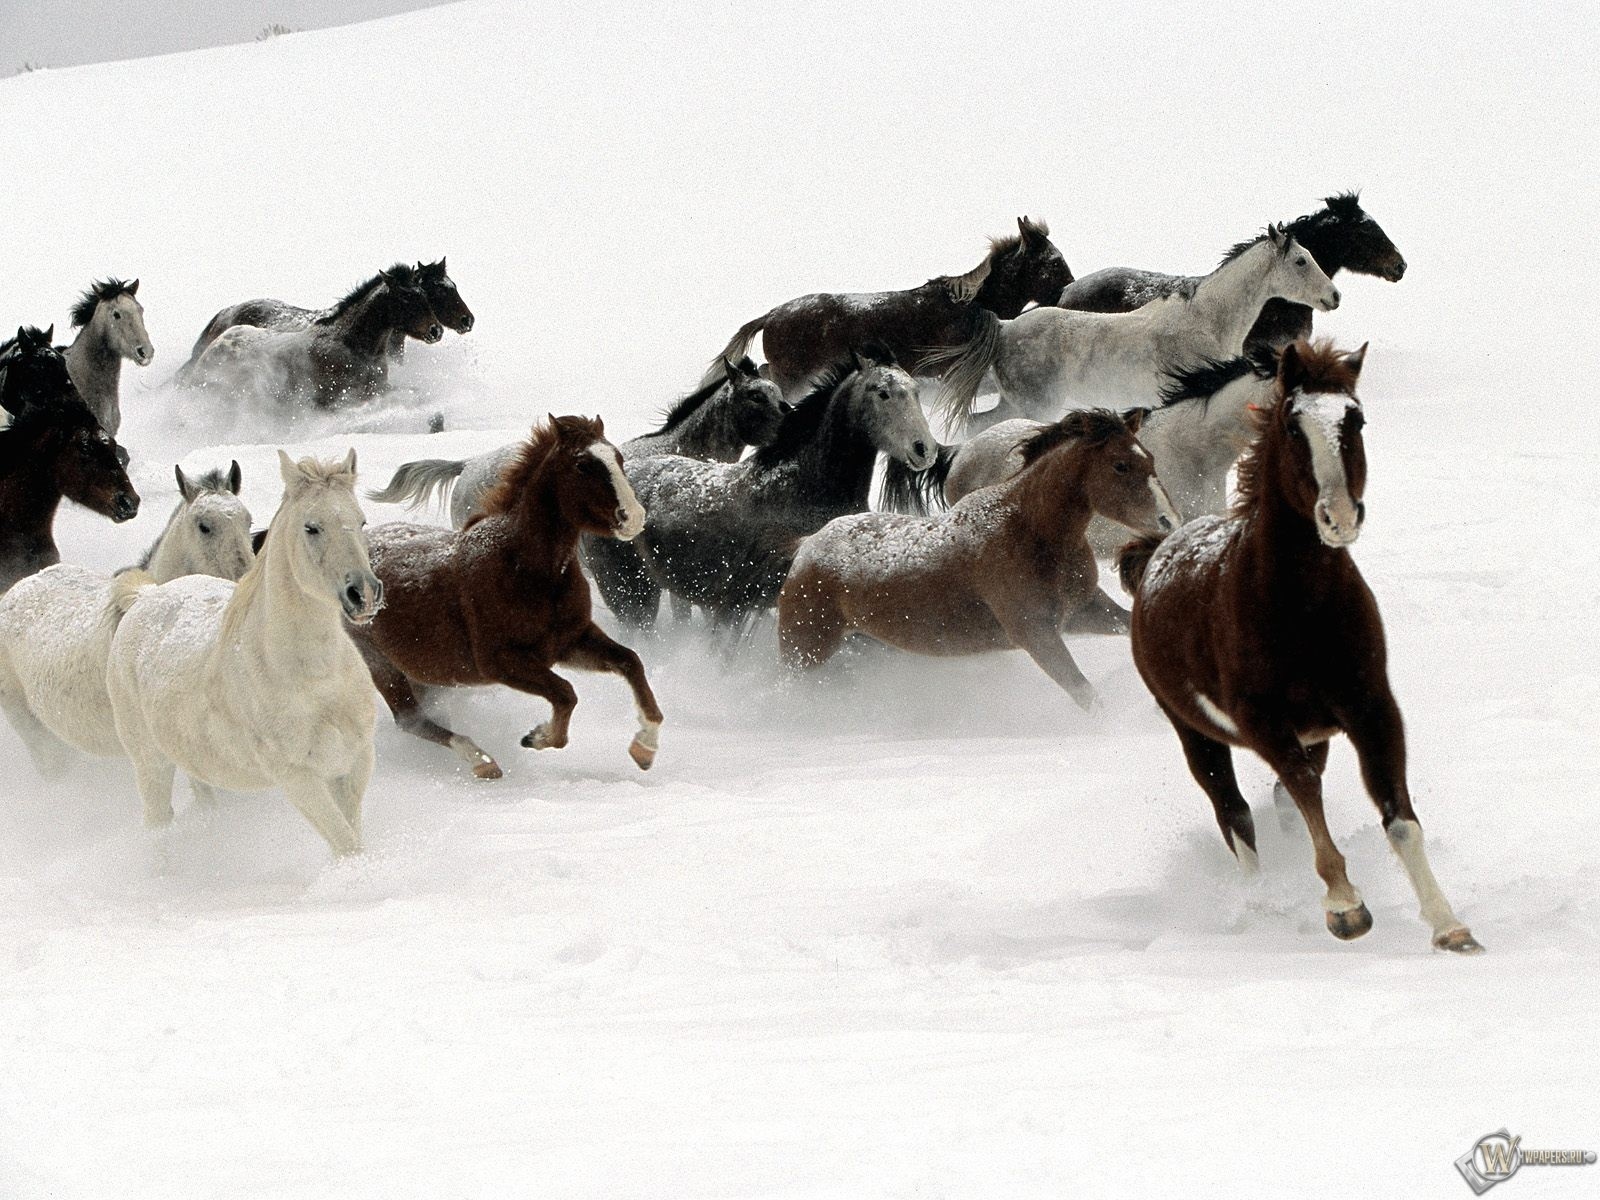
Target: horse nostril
point(1165, 523)
point(466, 324)
point(353, 595)
point(921, 449)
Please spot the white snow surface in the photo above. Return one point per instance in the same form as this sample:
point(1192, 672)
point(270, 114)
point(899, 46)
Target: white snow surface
point(913, 928)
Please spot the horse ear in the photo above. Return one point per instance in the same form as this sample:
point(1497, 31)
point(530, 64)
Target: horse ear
point(288, 469)
point(186, 489)
point(348, 467)
point(22, 336)
point(440, 265)
point(1134, 419)
point(861, 363)
point(599, 427)
point(1355, 358)
point(235, 477)
point(133, 288)
point(49, 335)
point(1291, 371)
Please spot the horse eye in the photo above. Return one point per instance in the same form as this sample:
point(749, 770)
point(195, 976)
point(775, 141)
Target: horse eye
point(1121, 468)
point(883, 393)
point(1301, 261)
point(205, 529)
point(116, 316)
point(313, 530)
point(1357, 420)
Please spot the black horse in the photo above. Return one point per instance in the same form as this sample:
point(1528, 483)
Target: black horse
point(1340, 235)
point(33, 372)
point(810, 334)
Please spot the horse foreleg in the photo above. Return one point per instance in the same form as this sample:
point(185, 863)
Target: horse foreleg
point(1039, 637)
point(1346, 915)
point(594, 651)
point(540, 680)
point(1100, 614)
point(1288, 814)
point(1211, 764)
point(349, 788)
point(1379, 738)
point(49, 753)
point(315, 800)
point(153, 773)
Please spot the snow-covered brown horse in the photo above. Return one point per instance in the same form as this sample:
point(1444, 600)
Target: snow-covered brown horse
point(811, 333)
point(1340, 235)
point(1256, 630)
point(503, 600)
point(1009, 566)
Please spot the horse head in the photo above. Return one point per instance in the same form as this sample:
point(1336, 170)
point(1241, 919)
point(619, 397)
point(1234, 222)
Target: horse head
point(1362, 245)
point(444, 297)
point(88, 466)
point(1116, 474)
point(1294, 275)
point(410, 311)
point(1322, 462)
point(1024, 268)
point(319, 527)
point(33, 372)
point(110, 310)
point(211, 530)
point(884, 398)
point(758, 405)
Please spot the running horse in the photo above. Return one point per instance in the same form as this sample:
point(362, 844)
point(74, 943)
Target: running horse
point(1256, 630)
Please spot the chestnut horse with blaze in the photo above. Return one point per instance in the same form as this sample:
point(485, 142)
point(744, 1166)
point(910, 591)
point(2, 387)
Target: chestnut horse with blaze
point(503, 599)
point(1008, 566)
point(1257, 630)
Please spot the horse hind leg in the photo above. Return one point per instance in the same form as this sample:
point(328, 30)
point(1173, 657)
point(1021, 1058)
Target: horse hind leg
point(49, 753)
point(400, 694)
point(594, 651)
point(1211, 764)
point(1288, 815)
point(315, 800)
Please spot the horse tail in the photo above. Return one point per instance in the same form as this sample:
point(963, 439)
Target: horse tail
point(737, 347)
point(964, 365)
point(125, 589)
point(919, 492)
point(1133, 559)
point(416, 483)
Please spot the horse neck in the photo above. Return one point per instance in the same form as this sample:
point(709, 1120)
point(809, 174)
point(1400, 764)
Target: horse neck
point(366, 327)
point(834, 469)
point(710, 431)
point(29, 498)
point(544, 542)
point(164, 561)
point(1227, 302)
point(1049, 500)
point(1002, 293)
point(96, 370)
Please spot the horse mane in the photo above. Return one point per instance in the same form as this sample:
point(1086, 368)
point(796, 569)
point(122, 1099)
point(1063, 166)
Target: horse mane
point(108, 288)
point(1341, 206)
point(32, 333)
point(800, 424)
point(964, 288)
point(530, 456)
point(1211, 375)
point(1089, 425)
point(403, 273)
point(683, 409)
point(1323, 369)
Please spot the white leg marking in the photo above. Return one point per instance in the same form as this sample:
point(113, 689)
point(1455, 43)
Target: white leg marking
point(1406, 838)
point(1249, 863)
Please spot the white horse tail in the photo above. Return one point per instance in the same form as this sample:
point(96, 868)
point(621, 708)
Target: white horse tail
point(738, 346)
point(964, 366)
point(125, 589)
point(416, 483)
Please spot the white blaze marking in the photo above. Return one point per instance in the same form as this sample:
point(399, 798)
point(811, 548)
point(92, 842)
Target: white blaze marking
point(1215, 715)
point(633, 511)
point(1321, 416)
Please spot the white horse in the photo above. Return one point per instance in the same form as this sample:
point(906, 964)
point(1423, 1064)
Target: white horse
point(258, 685)
point(1051, 359)
point(110, 324)
point(56, 626)
point(1195, 437)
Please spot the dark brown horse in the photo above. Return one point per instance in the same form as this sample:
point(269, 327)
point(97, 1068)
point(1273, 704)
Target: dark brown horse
point(32, 371)
point(1009, 566)
point(503, 600)
point(1257, 630)
point(49, 451)
point(811, 333)
point(1340, 235)
point(444, 298)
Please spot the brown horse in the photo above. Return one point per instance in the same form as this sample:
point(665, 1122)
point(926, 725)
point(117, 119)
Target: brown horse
point(1009, 566)
point(811, 333)
point(503, 599)
point(50, 451)
point(1257, 630)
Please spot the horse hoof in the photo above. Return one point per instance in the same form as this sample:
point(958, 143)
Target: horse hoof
point(1458, 941)
point(1350, 924)
point(538, 738)
point(488, 770)
point(643, 755)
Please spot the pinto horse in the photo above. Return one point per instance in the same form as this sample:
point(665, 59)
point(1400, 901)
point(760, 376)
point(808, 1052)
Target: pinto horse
point(1340, 235)
point(1256, 630)
point(503, 600)
point(48, 452)
point(1007, 567)
point(809, 334)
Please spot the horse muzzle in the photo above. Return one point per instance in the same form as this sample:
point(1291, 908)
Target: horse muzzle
point(434, 333)
point(1397, 272)
point(361, 599)
point(1339, 521)
point(465, 324)
point(144, 355)
point(1330, 301)
point(629, 524)
point(125, 507)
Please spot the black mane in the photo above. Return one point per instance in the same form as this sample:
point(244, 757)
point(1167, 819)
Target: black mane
point(683, 409)
point(101, 289)
point(799, 426)
point(403, 274)
point(1211, 375)
point(1342, 206)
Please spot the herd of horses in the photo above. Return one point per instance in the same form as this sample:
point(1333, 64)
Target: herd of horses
point(1123, 403)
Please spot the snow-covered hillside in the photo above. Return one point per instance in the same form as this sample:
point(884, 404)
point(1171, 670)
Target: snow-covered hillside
point(918, 928)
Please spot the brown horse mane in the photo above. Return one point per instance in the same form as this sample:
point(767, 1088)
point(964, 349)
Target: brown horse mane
point(963, 288)
point(1089, 425)
point(1322, 369)
point(101, 289)
point(532, 455)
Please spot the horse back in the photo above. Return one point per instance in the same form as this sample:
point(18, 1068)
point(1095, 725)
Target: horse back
point(1118, 289)
point(811, 333)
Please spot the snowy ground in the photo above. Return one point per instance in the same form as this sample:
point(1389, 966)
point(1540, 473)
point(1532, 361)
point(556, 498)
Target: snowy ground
point(917, 928)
